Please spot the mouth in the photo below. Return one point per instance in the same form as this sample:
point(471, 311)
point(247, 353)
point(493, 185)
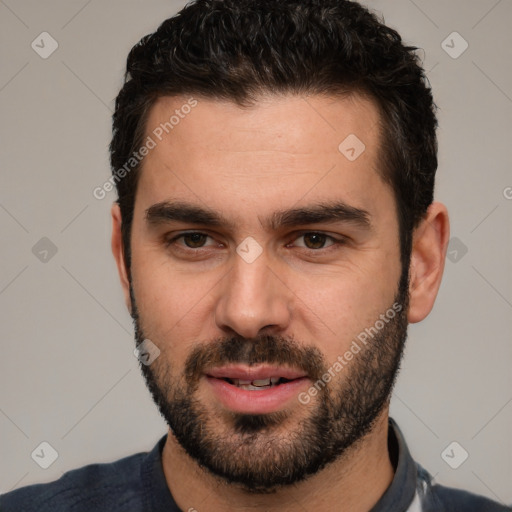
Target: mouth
point(255, 390)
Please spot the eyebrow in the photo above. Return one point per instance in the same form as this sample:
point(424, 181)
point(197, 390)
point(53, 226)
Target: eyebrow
point(321, 213)
point(169, 211)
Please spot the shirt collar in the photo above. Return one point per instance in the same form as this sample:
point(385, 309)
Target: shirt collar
point(400, 494)
point(157, 496)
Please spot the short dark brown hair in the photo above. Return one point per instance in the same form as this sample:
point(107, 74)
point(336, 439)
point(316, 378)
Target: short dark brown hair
point(238, 49)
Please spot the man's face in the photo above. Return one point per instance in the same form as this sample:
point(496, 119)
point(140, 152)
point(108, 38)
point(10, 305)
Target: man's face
point(262, 249)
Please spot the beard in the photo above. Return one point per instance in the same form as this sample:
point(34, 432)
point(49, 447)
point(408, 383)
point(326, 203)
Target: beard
point(264, 452)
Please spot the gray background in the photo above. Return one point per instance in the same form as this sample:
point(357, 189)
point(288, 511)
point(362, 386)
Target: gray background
point(68, 373)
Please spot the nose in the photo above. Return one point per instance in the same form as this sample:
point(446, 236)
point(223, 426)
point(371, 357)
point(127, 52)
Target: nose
point(253, 300)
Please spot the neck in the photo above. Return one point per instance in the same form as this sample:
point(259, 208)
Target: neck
point(355, 482)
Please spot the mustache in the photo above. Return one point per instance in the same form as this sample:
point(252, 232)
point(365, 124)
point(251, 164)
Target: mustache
point(270, 349)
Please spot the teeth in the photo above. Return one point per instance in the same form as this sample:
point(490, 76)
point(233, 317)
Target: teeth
point(248, 387)
point(261, 382)
point(256, 384)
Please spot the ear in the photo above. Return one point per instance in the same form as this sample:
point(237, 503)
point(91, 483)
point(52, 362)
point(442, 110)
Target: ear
point(118, 252)
point(430, 242)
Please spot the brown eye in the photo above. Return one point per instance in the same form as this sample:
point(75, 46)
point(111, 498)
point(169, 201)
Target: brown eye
point(314, 240)
point(194, 240)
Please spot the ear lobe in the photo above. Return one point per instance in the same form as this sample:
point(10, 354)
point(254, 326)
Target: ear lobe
point(118, 252)
point(430, 242)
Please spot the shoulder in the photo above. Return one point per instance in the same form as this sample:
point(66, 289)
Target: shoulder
point(429, 496)
point(456, 499)
point(437, 498)
point(110, 486)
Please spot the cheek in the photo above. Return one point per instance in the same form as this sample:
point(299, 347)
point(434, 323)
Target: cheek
point(172, 305)
point(336, 308)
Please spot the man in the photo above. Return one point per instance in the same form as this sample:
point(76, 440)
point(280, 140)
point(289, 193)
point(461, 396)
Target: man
point(275, 233)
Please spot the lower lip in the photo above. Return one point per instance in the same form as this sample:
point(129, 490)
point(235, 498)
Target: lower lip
point(256, 402)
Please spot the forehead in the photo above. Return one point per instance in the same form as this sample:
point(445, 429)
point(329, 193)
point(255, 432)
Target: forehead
point(281, 148)
point(280, 122)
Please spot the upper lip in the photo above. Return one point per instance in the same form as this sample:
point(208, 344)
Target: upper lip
point(254, 372)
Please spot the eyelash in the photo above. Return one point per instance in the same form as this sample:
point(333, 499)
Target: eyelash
point(335, 242)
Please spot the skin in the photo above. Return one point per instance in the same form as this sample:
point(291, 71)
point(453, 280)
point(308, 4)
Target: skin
point(246, 164)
